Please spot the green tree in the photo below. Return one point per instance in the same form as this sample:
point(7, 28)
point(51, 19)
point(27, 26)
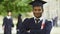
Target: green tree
point(16, 6)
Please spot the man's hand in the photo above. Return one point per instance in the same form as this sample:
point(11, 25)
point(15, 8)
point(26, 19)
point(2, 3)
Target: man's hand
point(28, 31)
point(3, 27)
point(17, 29)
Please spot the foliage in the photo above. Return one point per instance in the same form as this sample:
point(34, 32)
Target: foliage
point(16, 6)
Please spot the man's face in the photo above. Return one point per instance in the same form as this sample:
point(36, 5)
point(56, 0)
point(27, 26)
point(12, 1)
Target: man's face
point(37, 11)
point(9, 13)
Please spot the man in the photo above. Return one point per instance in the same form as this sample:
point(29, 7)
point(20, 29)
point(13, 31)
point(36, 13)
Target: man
point(8, 23)
point(37, 24)
point(18, 25)
point(55, 19)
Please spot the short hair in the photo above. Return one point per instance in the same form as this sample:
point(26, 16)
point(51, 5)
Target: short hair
point(9, 11)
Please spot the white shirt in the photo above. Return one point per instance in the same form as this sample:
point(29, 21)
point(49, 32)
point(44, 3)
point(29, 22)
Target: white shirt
point(41, 18)
point(9, 17)
point(43, 22)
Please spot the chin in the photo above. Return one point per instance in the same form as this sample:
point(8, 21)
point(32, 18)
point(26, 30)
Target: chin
point(37, 16)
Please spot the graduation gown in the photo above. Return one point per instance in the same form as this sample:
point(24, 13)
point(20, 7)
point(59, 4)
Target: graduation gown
point(18, 27)
point(8, 24)
point(29, 24)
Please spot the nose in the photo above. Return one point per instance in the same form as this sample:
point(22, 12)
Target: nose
point(38, 11)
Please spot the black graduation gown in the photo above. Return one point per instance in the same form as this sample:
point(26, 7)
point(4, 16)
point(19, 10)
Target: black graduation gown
point(18, 27)
point(29, 24)
point(8, 24)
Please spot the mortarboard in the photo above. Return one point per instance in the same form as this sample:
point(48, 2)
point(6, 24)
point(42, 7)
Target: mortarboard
point(37, 3)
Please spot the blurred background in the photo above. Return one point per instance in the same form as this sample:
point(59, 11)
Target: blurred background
point(51, 10)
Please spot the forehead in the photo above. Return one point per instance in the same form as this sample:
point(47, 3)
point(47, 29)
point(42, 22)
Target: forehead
point(37, 7)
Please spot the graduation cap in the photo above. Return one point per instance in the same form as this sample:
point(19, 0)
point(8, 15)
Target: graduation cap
point(37, 3)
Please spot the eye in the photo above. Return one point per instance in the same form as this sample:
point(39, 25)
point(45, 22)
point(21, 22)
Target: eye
point(39, 9)
point(35, 9)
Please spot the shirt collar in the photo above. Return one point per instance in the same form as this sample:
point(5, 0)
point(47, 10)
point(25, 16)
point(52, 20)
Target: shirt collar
point(8, 17)
point(41, 18)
